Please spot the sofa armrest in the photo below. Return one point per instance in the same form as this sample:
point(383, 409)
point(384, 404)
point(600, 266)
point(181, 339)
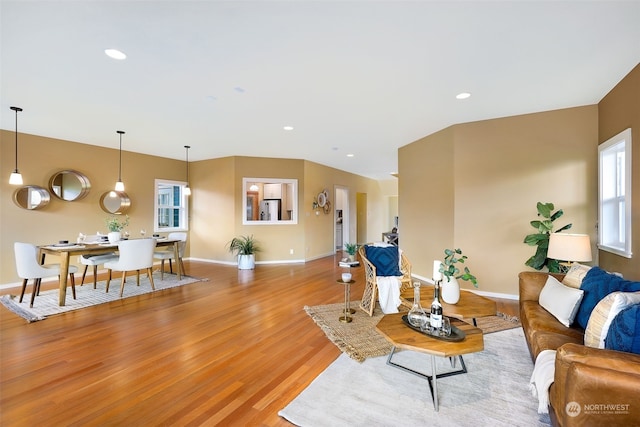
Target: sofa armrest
point(590, 376)
point(532, 282)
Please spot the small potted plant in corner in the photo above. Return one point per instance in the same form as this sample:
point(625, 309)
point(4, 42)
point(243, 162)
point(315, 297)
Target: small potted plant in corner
point(448, 268)
point(245, 248)
point(351, 249)
point(115, 227)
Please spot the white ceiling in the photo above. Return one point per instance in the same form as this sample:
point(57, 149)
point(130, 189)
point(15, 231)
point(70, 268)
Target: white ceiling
point(358, 77)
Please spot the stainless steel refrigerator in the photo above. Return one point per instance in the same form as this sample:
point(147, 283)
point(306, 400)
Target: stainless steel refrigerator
point(270, 210)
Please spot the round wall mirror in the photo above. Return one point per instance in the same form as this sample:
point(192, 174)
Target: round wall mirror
point(69, 185)
point(115, 202)
point(31, 197)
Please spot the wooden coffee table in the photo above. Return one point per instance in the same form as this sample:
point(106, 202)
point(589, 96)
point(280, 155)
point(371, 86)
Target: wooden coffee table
point(470, 306)
point(401, 336)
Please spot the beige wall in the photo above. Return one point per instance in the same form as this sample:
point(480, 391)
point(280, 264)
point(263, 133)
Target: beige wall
point(212, 208)
point(620, 110)
point(319, 229)
point(215, 204)
point(41, 157)
point(426, 199)
point(475, 186)
point(217, 208)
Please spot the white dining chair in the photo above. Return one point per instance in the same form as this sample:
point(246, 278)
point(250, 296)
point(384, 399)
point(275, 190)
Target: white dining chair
point(94, 260)
point(29, 267)
point(134, 255)
point(170, 253)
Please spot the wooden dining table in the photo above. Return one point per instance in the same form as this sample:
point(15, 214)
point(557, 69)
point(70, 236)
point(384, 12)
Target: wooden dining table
point(65, 252)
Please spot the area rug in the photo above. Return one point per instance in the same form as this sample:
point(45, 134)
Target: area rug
point(46, 304)
point(359, 339)
point(494, 391)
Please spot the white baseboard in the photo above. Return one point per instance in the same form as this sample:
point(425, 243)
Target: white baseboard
point(289, 261)
point(483, 293)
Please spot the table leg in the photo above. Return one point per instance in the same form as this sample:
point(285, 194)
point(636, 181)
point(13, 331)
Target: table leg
point(348, 310)
point(64, 272)
point(345, 318)
point(176, 253)
point(434, 377)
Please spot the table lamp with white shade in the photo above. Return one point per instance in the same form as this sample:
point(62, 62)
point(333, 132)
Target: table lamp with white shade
point(569, 248)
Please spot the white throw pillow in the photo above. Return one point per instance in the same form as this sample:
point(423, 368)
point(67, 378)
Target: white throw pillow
point(604, 313)
point(574, 276)
point(560, 300)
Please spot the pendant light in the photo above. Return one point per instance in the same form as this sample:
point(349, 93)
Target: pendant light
point(16, 178)
point(120, 184)
point(187, 190)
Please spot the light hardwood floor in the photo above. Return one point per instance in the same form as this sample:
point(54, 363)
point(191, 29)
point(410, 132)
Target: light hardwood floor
point(232, 350)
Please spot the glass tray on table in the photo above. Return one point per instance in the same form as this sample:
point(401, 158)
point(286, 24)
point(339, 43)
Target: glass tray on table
point(456, 333)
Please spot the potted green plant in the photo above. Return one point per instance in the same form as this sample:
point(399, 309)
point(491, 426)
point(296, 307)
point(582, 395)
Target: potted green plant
point(351, 249)
point(540, 239)
point(448, 268)
point(115, 226)
point(244, 247)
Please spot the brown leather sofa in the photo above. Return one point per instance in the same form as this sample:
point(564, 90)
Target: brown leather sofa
point(592, 387)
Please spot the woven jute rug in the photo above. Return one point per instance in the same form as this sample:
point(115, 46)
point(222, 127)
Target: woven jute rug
point(360, 340)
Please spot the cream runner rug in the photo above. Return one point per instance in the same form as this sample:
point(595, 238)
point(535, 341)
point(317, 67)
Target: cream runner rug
point(494, 392)
point(359, 339)
point(46, 304)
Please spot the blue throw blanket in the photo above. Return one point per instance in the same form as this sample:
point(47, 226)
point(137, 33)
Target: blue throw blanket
point(596, 285)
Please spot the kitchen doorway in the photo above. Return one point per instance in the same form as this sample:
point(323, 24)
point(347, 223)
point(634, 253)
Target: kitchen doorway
point(341, 216)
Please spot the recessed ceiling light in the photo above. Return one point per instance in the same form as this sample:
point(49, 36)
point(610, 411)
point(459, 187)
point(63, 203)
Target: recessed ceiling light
point(350, 155)
point(115, 54)
point(288, 128)
point(463, 95)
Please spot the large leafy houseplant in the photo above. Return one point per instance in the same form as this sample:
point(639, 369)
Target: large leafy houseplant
point(245, 248)
point(243, 245)
point(449, 269)
point(540, 239)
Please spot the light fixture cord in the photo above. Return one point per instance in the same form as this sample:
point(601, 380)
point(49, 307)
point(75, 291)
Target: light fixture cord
point(16, 109)
point(16, 139)
point(120, 167)
point(187, 147)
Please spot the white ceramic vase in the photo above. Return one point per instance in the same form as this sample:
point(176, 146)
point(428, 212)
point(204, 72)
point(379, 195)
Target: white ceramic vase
point(450, 290)
point(114, 236)
point(246, 262)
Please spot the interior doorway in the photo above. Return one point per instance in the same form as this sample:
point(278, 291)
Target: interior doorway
point(341, 215)
point(361, 218)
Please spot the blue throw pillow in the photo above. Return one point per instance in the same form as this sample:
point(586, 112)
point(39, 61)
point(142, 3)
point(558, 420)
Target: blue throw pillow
point(385, 259)
point(624, 332)
point(596, 285)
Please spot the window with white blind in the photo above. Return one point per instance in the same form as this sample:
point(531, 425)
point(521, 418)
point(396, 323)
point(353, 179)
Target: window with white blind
point(171, 211)
point(614, 195)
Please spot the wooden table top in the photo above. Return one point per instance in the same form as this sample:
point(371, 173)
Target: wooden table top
point(470, 306)
point(402, 336)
